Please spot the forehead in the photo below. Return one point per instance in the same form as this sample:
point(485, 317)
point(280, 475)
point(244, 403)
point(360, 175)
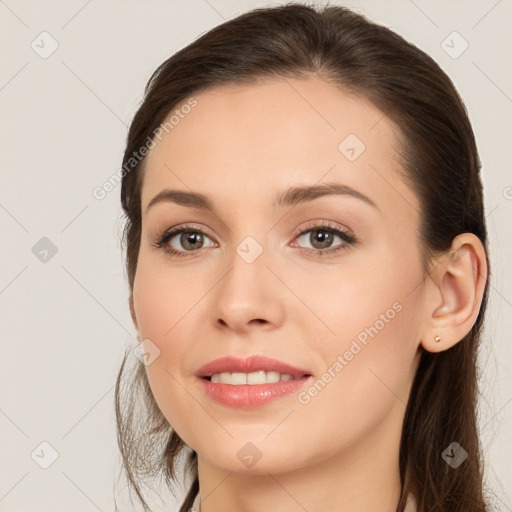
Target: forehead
point(252, 138)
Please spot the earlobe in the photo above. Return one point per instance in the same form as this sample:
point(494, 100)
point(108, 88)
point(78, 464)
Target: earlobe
point(457, 296)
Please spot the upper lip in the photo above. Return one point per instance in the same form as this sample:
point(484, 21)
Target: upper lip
point(251, 364)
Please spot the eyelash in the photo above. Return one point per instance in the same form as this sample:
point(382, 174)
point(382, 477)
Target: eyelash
point(348, 239)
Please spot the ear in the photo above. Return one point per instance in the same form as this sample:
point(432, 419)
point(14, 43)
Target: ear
point(455, 294)
point(134, 318)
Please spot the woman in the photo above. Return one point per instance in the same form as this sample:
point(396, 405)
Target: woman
point(307, 262)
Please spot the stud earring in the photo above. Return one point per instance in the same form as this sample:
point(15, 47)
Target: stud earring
point(437, 339)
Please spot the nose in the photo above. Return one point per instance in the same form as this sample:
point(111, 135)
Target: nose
point(248, 296)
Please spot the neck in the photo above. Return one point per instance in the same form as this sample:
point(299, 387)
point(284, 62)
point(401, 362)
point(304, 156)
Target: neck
point(361, 478)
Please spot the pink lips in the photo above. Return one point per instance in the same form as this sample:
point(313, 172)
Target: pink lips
point(252, 364)
point(250, 395)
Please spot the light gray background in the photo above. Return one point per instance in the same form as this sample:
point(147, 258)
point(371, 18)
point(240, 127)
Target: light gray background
point(64, 119)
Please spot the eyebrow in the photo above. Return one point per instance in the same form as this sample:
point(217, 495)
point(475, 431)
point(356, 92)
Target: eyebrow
point(291, 197)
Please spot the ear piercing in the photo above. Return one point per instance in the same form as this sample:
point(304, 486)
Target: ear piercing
point(437, 339)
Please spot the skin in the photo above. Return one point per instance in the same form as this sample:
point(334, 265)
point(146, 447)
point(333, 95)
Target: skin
point(242, 145)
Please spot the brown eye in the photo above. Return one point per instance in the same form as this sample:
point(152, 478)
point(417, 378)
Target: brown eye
point(182, 241)
point(186, 240)
point(191, 240)
point(321, 239)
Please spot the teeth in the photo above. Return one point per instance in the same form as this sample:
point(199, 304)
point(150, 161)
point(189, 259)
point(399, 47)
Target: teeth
point(260, 377)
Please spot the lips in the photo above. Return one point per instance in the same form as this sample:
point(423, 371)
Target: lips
point(251, 395)
point(252, 364)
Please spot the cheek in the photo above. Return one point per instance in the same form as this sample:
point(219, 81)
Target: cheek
point(374, 315)
point(365, 292)
point(167, 308)
point(163, 300)
point(366, 381)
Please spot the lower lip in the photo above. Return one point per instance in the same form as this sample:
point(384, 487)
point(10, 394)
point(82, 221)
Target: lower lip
point(251, 396)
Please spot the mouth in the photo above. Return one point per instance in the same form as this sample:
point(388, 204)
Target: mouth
point(251, 383)
point(253, 378)
point(252, 370)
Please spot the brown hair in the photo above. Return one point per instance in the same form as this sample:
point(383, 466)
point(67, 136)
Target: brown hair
point(440, 162)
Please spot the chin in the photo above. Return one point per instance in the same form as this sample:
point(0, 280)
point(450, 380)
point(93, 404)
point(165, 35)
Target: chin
point(246, 458)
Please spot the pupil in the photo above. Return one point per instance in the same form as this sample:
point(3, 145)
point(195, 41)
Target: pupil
point(323, 237)
point(190, 237)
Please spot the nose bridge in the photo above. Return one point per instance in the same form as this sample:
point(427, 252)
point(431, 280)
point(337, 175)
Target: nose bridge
point(247, 268)
point(250, 240)
point(250, 249)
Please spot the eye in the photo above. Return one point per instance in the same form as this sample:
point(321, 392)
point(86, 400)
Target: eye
point(190, 239)
point(321, 237)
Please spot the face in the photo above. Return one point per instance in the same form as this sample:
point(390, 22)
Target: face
point(329, 283)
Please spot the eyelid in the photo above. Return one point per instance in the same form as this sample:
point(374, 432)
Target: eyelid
point(171, 232)
point(327, 225)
